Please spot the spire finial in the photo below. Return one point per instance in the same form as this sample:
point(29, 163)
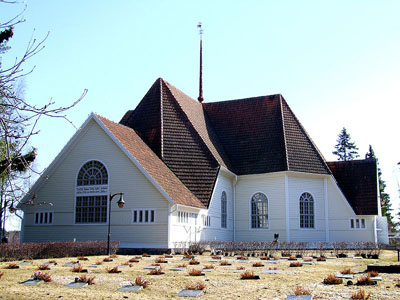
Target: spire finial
point(199, 25)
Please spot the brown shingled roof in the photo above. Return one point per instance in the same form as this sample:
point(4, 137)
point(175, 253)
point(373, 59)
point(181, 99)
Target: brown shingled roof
point(358, 181)
point(167, 180)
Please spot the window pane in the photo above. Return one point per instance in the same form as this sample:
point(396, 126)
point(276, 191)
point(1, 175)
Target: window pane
point(134, 216)
point(152, 216)
point(140, 216)
point(357, 223)
point(146, 216)
point(50, 217)
point(362, 223)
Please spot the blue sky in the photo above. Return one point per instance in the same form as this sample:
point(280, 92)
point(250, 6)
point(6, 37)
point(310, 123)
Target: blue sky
point(337, 63)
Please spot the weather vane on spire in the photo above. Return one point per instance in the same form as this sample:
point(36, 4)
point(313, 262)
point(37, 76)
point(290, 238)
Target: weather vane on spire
point(199, 25)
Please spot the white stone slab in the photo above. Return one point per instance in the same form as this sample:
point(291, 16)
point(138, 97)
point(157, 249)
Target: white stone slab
point(357, 257)
point(49, 264)
point(190, 293)
point(94, 266)
point(31, 282)
point(207, 270)
point(76, 285)
point(344, 276)
point(152, 267)
point(238, 271)
point(130, 288)
point(177, 269)
point(214, 260)
point(307, 262)
point(331, 257)
point(271, 261)
point(123, 266)
point(243, 260)
point(300, 297)
point(70, 264)
point(377, 278)
point(24, 263)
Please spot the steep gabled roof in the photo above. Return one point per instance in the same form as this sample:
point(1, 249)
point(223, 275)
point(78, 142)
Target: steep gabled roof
point(358, 181)
point(262, 135)
point(165, 178)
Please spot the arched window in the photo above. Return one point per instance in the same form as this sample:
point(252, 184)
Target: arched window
point(224, 211)
point(306, 211)
point(259, 211)
point(91, 193)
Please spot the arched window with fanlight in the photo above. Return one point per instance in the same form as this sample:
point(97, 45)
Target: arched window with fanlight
point(91, 193)
point(259, 211)
point(224, 211)
point(307, 211)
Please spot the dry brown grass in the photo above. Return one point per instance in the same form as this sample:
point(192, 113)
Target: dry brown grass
point(195, 272)
point(225, 263)
point(365, 280)
point(258, 264)
point(157, 271)
point(248, 275)
point(295, 264)
point(241, 257)
point(53, 261)
point(43, 267)
point(373, 273)
point(301, 291)
point(146, 255)
point(181, 266)
point(308, 259)
point(1, 274)
point(360, 294)
point(113, 255)
point(77, 269)
point(127, 264)
point(88, 280)
point(11, 266)
point(141, 282)
point(198, 286)
point(292, 258)
point(347, 271)
point(216, 257)
point(82, 258)
point(240, 268)
point(332, 279)
point(113, 270)
point(134, 260)
point(207, 267)
point(194, 262)
point(99, 262)
point(161, 260)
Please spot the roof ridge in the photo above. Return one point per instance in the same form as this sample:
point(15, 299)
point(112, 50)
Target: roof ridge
point(244, 99)
point(284, 133)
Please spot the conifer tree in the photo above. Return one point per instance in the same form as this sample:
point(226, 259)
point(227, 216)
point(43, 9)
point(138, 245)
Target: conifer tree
point(384, 197)
point(345, 148)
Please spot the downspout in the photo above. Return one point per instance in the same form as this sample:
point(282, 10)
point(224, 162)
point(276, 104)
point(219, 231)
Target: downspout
point(234, 208)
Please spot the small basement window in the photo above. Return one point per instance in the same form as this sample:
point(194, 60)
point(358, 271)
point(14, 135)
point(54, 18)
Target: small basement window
point(143, 216)
point(183, 217)
point(44, 218)
point(357, 223)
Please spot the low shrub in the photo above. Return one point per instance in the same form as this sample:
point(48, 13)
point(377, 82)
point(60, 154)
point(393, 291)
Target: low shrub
point(248, 275)
point(292, 258)
point(141, 282)
point(168, 256)
point(161, 260)
point(156, 264)
point(157, 271)
point(366, 280)
point(274, 268)
point(332, 279)
point(37, 275)
point(195, 272)
point(360, 294)
point(85, 279)
point(1, 274)
point(216, 257)
point(320, 258)
point(198, 286)
point(301, 291)
point(146, 255)
point(240, 268)
point(107, 259)
point(263, 258)
point(242, 257)
point(113, 255)
point(77, 269)
point(295, 264)
point(224, 263)
point(43, 267)
point(11, 266)
point(82, 258)
point(127, 264)
point(99, 263)
point(113, 270)
point(347, 271)
point(52, 262)
point(194, 262)
point(308, 259)
point(208, 267)
point(397, 284)
point(189, 256)
point(258, 264)
point(181, 266)
point(9, 252)
point(373, 273)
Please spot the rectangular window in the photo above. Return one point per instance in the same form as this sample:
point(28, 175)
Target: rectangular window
point(44, 218)
point(91, 209)
point(143, 216)
point(206, 221)
point(183, 217)
point(357, 223)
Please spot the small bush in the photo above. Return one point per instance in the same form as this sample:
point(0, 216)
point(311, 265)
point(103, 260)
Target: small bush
point(366, 280)
point(88, 280)
point(194, 262)
point(133, 260)
point(157, 271)
point(208, 267)
point(258, 264)
point(320, 258)
point(82, 258)
point(12, 266)
point(360, 294)
point(248, 275)
point(46, 278)
point(308, 259)
point(224, 263)
point(99, 263)
point(242, 257)
point(114, 255)
point(198, 286)
point(161, 260)
point(156, 264)
point(216, 257)
point(52, 262)
point(141, 282)
point(146, 255)
point(240, 268)
point(295, 264)
point(181, 266)
point(195, 272)
point(332, 279)
point(127, 264)
point(274, 268)
point(397, 284)
point(373, 273)
point(113, 270)
point(107, 259)
point(168, 256)
point(77, 269)
point(189, 256)
point(292, 258)
point(300, 291)
point(43, 267)
point(1, 274)
point(347, 271)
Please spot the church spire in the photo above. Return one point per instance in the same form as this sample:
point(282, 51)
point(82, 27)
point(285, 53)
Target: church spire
point(200, 98)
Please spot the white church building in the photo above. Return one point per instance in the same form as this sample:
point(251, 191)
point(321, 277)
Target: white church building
point(238, 170)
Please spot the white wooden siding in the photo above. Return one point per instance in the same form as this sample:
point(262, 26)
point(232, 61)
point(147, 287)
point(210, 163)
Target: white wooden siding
point(93, 143)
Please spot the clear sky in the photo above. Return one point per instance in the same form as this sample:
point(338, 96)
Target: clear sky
point(337, 63)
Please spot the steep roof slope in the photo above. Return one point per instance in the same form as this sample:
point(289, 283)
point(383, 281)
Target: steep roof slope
point(151, 163)
point(358, 181)
point(262, 135)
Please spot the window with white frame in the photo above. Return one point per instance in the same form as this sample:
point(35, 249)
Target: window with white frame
point(259, 211)
point(357, 223)
point(206, 221)
point(143, 216)
point(224, 212)
point(44, 218)
point(183, 217)
point(306, 211)
point(91, 193)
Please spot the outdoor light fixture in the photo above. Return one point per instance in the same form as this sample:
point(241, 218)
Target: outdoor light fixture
point(121, 204)
point(11, 209)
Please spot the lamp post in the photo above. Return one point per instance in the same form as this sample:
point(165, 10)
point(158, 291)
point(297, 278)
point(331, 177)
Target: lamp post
point(120, 203)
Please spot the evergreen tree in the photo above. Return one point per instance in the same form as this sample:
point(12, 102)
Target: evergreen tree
point(345, 148)
point(384, 197)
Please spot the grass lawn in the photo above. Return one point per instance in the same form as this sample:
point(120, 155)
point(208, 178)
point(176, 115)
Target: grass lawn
point(221, 283)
